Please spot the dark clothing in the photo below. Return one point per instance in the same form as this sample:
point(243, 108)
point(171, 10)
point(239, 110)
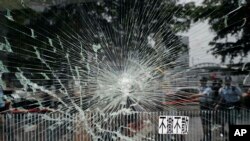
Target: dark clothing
point(231, 105)
point(216, 96)
point(206, 120)
point(205, 113)
point(246, 102)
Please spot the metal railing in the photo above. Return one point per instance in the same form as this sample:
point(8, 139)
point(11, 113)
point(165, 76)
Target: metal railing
point(117, 127)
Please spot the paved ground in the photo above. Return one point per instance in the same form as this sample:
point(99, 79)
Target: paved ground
point(196, 131)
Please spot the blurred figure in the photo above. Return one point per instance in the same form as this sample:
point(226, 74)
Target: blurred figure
point(4, 105)
point(205, 98)
point(216, 85)
point(205, 94)
point(246, 99)
point(229, 102)
point(230, 96)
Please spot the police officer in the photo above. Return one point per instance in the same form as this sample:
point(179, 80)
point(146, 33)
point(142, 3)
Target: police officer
point(229, 102)
point(205, 98)
point(205, 95)
point(230, 95)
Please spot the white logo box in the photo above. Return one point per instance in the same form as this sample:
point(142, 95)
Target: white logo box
point(173, 124)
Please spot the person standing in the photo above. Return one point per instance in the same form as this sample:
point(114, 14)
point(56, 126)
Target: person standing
point(229, 103)
point(205, 98)
point(230, 96)
point(216, 85)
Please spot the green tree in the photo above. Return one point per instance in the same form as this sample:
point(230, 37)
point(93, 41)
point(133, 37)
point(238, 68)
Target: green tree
point(227, 18)
point(119, 23)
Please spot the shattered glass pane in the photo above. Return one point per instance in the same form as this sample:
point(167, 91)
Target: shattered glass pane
point(102, 59)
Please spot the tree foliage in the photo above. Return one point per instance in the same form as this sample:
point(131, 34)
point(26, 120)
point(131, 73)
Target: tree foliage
point(229, 19)
point(67, 29)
